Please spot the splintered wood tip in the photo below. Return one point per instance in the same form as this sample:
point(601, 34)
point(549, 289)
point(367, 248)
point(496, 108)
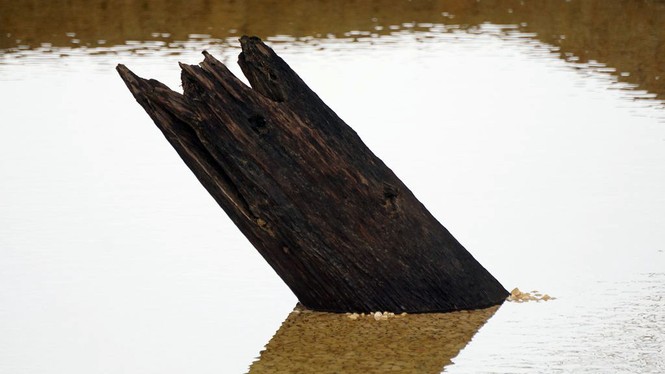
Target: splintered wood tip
point(131, 80)
point(254, 44)
point(123, 71)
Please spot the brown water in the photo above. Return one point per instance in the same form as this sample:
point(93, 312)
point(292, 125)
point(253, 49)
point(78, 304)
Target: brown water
point(310, 342)
point(535, 131)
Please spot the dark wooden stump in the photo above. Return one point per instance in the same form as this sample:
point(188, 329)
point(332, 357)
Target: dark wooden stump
point(331, 218)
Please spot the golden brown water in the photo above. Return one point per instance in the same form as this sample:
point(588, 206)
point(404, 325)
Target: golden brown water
point(313, 342)
point(626, 35)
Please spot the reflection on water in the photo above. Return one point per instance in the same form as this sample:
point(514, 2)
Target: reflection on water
point(312, 342)
point(624, 38)
point(522, 125)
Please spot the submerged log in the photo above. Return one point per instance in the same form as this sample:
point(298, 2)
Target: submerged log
point(334, 222)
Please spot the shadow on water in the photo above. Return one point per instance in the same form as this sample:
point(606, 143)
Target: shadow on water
point(314, 342)
point(624, 36)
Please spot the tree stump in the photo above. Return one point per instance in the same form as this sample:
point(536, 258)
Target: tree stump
point(334, 222)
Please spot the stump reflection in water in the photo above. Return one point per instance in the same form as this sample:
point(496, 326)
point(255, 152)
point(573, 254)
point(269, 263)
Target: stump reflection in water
point(315, 342)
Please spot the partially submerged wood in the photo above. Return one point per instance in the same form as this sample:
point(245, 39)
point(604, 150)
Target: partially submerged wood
point(330, 217)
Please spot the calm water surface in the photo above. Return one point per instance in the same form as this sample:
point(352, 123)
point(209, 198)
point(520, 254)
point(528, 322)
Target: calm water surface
point(534, 132)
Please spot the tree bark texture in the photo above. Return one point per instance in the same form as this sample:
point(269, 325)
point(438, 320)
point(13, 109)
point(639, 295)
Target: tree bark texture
point(330, 217)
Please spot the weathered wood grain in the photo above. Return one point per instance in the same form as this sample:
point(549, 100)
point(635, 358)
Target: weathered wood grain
point(331, 218)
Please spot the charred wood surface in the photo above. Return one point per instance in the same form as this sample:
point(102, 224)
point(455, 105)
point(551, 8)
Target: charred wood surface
point(331, 218)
